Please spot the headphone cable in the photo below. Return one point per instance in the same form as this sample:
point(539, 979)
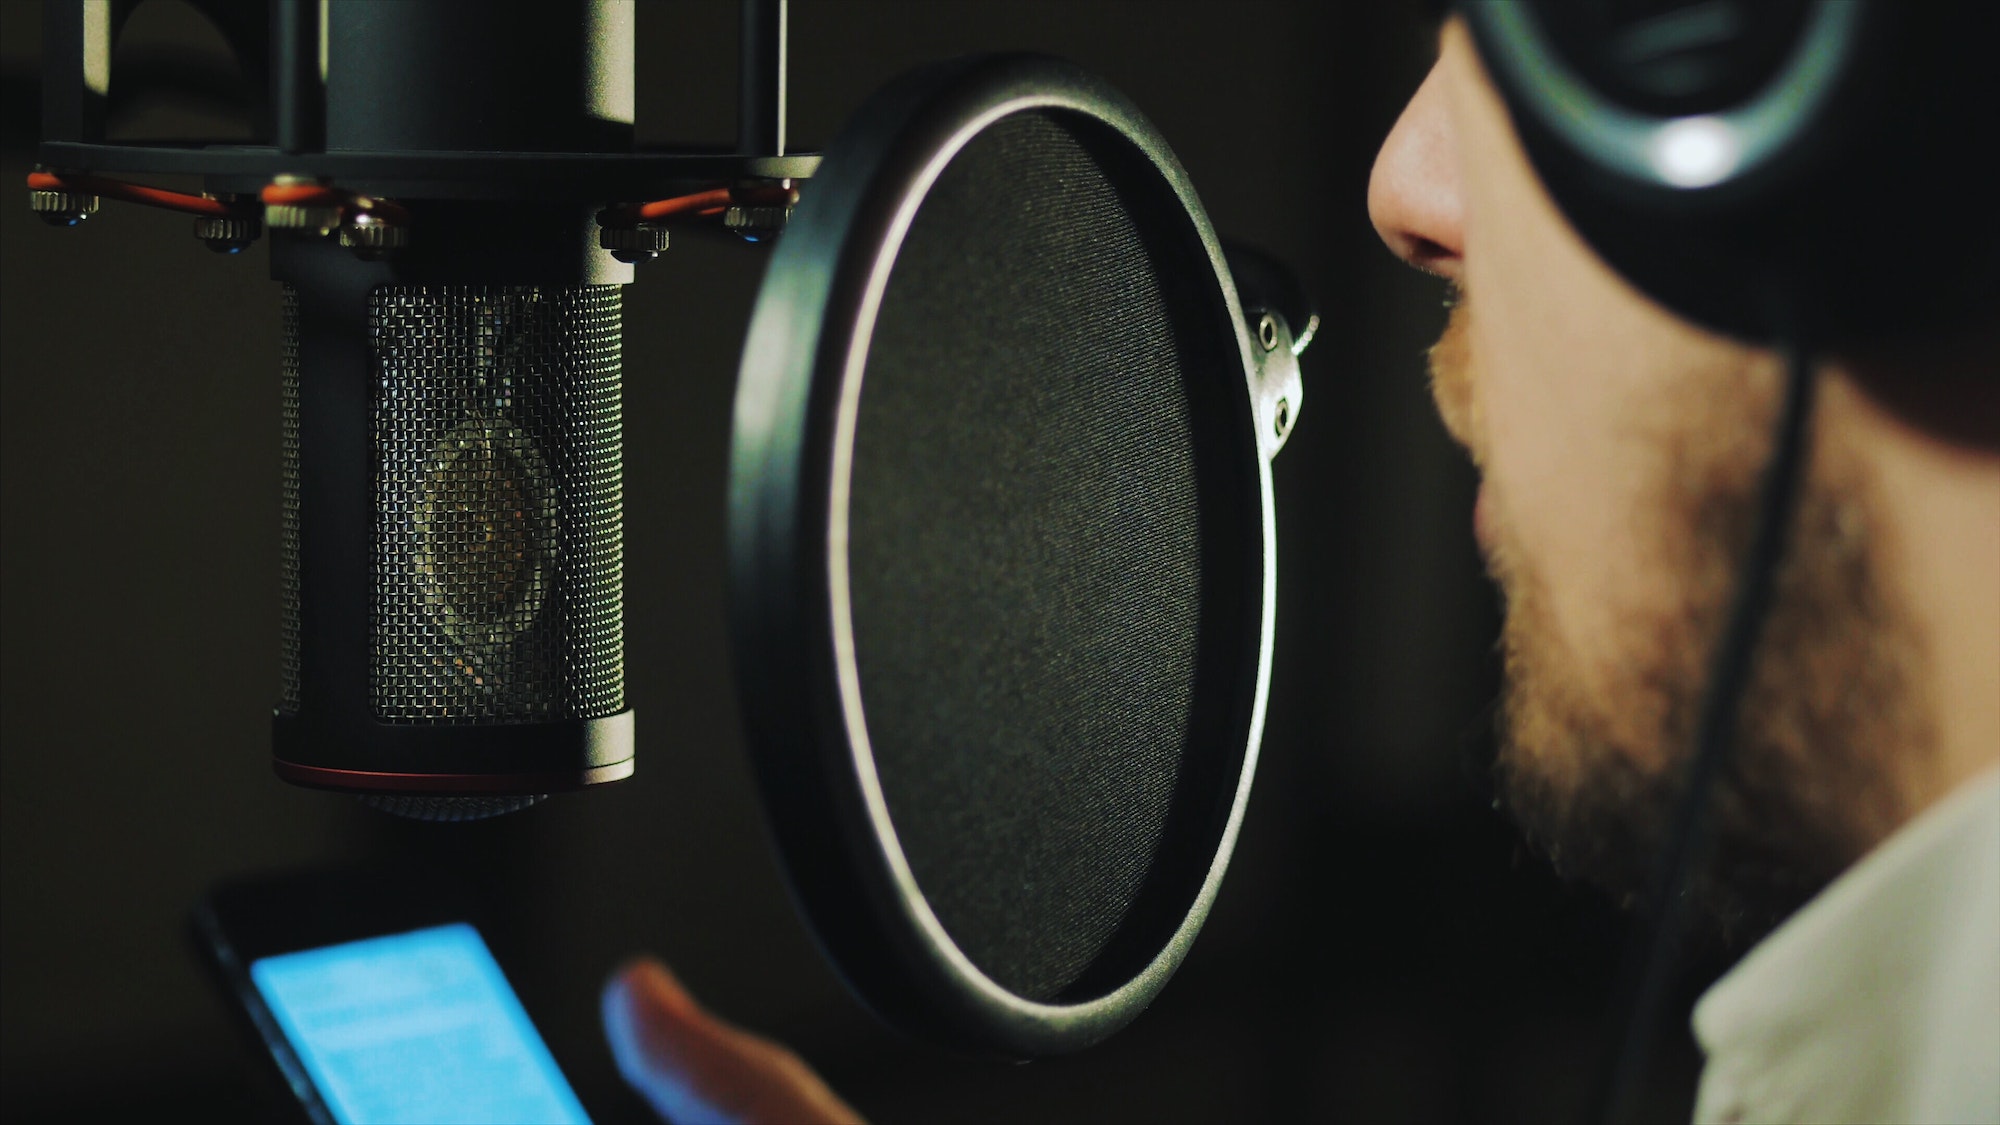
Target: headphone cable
point(1653, 954)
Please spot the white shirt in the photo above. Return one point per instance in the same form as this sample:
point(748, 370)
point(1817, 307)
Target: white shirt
point(1880, 999)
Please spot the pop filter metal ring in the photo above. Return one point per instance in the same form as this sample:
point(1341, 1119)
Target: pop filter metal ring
point(792, 622)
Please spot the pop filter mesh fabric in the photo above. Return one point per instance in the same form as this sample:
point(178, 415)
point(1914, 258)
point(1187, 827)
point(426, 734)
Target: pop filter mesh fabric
point(1026, 547)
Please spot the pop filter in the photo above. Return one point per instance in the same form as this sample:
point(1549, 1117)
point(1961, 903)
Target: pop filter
point(1003, 554)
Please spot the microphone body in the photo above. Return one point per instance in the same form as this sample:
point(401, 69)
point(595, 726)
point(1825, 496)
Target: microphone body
point(453, 640)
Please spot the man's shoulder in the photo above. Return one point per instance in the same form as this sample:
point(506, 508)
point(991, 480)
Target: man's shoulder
point(1880, 999)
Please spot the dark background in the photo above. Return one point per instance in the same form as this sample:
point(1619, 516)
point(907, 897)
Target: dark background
point(1382, 949)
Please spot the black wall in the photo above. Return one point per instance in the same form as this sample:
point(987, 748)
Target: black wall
point(1380, 952)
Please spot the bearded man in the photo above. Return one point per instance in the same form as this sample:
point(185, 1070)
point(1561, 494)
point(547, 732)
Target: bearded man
point(1857, 830)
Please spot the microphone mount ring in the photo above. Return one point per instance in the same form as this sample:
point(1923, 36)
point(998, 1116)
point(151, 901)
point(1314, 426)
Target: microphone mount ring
point(582, 177)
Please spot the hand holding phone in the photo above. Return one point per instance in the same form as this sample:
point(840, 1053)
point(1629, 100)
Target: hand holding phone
point(380, 1001)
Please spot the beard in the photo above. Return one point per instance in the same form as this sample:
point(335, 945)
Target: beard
point(1593, 776)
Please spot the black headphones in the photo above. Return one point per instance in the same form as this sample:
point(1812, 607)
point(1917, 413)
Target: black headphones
point(1772, 169)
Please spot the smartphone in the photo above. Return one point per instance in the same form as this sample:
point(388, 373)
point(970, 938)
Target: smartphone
point(380, 999)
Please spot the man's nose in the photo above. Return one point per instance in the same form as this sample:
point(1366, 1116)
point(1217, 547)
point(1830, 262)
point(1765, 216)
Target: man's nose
point(1413, 193)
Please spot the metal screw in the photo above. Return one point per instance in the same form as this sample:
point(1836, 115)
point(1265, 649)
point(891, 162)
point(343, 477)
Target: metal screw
point(62, 208)
point(309, 219)
point(640, 242)
point(1282, 418)
point(753, 223)
point(1267, 332)
point(227, 234)
point(373, 237)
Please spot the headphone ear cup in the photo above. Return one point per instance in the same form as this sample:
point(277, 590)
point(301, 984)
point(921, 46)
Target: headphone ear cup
point(1801, 198)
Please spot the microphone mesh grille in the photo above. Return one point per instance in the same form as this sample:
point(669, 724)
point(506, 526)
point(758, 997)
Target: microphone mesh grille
point(499, 562)
point(1026, 553)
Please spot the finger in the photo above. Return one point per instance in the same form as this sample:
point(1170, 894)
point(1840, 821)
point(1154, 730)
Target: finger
point(694, 1068)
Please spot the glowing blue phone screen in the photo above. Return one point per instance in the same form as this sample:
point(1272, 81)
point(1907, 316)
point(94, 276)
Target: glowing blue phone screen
point(415, 1027)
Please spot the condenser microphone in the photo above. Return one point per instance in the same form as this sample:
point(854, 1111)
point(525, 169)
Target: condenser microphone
point(452, 566)
point(453, 202)
point(453, 498)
